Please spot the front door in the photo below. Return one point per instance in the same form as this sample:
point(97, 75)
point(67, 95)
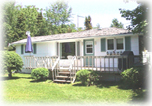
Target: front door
point(88, 51)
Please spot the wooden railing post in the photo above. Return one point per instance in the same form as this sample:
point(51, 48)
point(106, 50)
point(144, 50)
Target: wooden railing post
point(92, 62)
point(77, 62)
point(127, 61)
point(81, 63)
point(113, 63)
point(122, 63)
point(88, 61)
point(104, 63)
point(96, 63)
point(100, 63)
point(109, 63)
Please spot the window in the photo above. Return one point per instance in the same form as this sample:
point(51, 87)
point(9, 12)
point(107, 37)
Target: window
point(66, 49)
point(119, 43)
point(110, 44)
point(89, 47)
point(115, 44)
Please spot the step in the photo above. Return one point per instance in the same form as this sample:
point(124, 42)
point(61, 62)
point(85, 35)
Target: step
point(65, 72)
point(57, 80)
point(62, 76)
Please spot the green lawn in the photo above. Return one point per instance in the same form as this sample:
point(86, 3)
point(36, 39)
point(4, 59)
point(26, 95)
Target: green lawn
point(22, 89)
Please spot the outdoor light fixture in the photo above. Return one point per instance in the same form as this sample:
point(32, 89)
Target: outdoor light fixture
point(27, 32)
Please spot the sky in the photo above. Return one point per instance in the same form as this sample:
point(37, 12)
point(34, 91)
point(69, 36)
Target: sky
point(101, 11)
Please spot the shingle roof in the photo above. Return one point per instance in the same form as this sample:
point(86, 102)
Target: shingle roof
point(83, 34)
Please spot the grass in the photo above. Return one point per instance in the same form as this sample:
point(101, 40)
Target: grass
point(22, 89)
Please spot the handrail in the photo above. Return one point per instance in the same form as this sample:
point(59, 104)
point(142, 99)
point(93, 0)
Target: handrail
point(74, 58)
point(70, 68)
point(53, 67)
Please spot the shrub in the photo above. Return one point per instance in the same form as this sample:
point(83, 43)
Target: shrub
point(39, 73)
point(11, 61)
point(87, 77)
point(134, 77)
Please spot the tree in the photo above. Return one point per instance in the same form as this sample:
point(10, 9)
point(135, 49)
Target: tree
point(87, 23)
point(10, 16)
point(79, 29)
point(42, 25)
point(116, 24)
point(11, 61)
point(139, 23)
point(138, 18)
point(18, 20)
point(57, 16)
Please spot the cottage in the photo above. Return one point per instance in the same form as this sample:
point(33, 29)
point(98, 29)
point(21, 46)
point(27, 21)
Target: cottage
point(96, 49)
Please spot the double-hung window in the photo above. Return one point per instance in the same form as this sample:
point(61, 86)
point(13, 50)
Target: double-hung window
point(110, 44)
point(119, 44)
point(115, 44)
point(89, 47)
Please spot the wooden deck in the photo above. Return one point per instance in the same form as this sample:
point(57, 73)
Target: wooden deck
point(105, 64)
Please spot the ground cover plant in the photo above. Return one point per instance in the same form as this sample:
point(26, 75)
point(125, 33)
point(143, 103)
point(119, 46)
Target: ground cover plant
point(39, 73)
point(22, 89)
point(135, 77)
point(87, 77)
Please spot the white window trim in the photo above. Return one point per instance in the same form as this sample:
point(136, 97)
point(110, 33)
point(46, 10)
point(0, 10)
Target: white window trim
point(115, 45)
point(88, 42)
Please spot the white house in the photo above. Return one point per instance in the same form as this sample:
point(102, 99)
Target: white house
point(94, 42)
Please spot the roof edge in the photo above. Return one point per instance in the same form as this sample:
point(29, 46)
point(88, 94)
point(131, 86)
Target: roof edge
point(128, 34)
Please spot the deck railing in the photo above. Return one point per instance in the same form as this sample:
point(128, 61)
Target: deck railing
point(102, 63)
point(31, 62)
point(96, 63)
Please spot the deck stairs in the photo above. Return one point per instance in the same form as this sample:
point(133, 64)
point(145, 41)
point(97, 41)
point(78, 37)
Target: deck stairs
point(64, 73)
point(64, 77)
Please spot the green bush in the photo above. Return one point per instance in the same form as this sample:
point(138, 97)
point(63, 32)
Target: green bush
point(39, 73)
point(87, 77)
point(11, 61)
point(134, 77)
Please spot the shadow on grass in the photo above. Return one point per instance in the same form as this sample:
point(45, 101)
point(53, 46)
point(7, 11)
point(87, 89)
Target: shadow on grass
point(139, 95)
point(102, 84)
point(7, 78)
point(14, 78)
point(78, 84)
point(37, 81)
point(108, 84)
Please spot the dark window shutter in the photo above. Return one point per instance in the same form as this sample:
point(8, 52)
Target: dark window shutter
point(34, 46)
point(103, 45)
point(57, 49)
point(22, 49)
point(128, 43)
point(78, 48)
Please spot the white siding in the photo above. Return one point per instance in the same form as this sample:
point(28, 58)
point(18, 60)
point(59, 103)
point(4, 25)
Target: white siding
point(52, 49)
point(42, 49)
point(97, 45)
point(135, 44)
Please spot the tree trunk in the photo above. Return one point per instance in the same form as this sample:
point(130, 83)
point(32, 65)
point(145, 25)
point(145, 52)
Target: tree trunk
point(9, 73)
